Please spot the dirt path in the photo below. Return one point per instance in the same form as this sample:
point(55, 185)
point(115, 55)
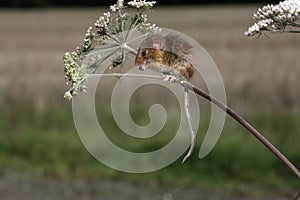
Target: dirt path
point(25, 187)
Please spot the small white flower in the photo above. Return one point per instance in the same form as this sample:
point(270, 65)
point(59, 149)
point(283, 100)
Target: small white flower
point(148, 28)
point(144, 18)
point(118, 6)
point(255, 28)
point(107, 15)
point(141, 4)
point(113, 8)
point(68, 95)
point(89, 32)
point(120, 3)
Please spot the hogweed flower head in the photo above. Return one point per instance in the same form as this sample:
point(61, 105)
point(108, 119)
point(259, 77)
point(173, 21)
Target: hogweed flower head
point(141, 4)
point(106, 33)
point(282, 17)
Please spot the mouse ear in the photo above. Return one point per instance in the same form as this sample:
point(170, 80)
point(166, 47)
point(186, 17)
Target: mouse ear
point(154, 41)
point(157, 45)
point(177, 44)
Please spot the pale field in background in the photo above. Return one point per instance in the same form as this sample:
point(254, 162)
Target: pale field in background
point(260, 73)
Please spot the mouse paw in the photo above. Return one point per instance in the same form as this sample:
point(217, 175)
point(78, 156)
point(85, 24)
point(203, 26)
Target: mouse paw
point(170, 78)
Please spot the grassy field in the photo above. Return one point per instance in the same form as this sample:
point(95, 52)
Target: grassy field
point(38, 137)
point(239, 166)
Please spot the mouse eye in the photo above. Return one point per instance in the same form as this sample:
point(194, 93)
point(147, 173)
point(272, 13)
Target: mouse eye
point(144, 53)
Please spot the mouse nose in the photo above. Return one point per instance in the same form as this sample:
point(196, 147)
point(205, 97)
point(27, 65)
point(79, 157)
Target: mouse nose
point(139, 61)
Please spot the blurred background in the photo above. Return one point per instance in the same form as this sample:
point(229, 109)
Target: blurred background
point(42, 157)
point(89, 3)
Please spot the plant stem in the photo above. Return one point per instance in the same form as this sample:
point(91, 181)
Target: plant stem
point(297, 196)
point(222, 106)
point(246, 125)
point(287, 31)
point(293, 24)
point(292, 31)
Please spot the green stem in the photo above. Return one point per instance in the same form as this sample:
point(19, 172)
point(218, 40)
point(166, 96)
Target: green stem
point(293, 24)
point(246, 125)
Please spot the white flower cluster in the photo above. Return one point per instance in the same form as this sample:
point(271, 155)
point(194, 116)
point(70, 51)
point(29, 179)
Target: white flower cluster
point(73, 74)
point(144, 18)
point(89, 31)
point(275, 18)
point(265, 24)
point(141, 4)
point(118, 6)
point(103, 21)
point(148, 28)
point(88, 39)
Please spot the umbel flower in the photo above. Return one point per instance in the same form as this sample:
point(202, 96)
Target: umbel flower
point(282, 17)
point(110, 32)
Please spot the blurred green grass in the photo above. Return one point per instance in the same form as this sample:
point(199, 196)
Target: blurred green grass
point(47, 144)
